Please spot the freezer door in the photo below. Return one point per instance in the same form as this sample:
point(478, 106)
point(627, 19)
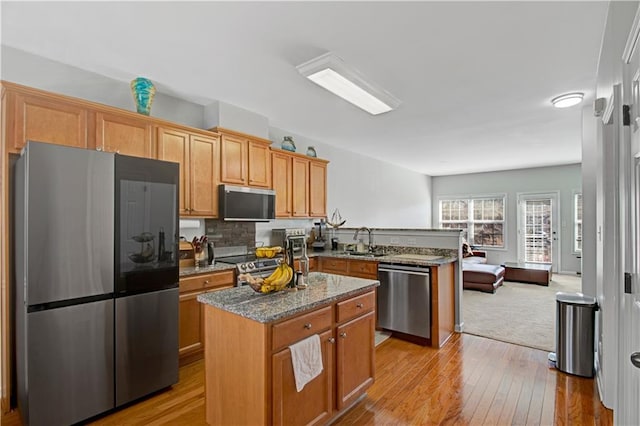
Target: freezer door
point(146, 344)
point(69, 227)
point(70, 364)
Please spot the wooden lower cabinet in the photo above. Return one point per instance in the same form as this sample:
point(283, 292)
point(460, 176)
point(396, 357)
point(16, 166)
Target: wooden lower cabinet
point(251, 380)
point(351, 267)
point(312, 405)
point(313, 265)
point(191, 312)
point(355, 365)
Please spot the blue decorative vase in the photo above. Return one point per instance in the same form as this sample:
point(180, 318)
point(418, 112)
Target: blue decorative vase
point(311, 152)
point(143, 91)
point(288, 144)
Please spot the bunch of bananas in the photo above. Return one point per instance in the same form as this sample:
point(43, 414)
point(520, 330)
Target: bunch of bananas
point(274, 282)
point(280, 277)
point(268, 252)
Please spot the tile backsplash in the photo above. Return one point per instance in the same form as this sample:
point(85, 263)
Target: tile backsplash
point(226, 234)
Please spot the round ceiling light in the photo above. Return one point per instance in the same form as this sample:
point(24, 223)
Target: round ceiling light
point(568, 100)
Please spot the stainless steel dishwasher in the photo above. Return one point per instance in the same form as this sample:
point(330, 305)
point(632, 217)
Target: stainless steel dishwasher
point(404, 299)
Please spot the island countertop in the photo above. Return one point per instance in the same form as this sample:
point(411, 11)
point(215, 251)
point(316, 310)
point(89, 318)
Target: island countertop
point(264, 308)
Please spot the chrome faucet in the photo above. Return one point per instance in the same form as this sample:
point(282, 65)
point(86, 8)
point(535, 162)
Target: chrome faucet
point(370, 246)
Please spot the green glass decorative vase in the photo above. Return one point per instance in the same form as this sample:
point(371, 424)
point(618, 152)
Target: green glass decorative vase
point(311, 152)
point(288, 144)
point(143, 92)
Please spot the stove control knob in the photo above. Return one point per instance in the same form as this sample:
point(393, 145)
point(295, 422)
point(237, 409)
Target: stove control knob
point(251, 266)
point(242, 266)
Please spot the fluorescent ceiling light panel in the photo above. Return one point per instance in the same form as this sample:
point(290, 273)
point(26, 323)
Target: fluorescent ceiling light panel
point(331, 73)
point(568, 100)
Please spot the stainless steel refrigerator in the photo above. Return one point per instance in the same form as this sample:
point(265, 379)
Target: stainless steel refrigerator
point(96, 291)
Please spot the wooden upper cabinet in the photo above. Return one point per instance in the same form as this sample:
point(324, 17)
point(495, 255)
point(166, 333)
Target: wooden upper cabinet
point(173, 145)
point(317, 188)
point(300, 187)
point(245, 160)
point(197, 156)
point(124, 134)
point(281, 166)
point(44, 119)
point(259, 164)
point(203, 170)
point(233, 160)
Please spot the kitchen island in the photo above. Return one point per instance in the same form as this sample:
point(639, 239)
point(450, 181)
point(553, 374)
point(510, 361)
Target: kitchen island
point(248, 372)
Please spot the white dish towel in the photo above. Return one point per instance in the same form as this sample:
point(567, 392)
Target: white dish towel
point(306, 356)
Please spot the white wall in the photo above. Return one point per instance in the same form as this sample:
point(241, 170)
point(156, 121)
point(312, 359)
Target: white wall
point(369, 192)
point(589, 182)
point(565, 179)
point(45, 74)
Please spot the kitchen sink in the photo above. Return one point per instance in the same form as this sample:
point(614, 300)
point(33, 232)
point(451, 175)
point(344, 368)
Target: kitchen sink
point(363, 254)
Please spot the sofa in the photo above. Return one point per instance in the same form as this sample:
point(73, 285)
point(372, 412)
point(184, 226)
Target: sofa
point(478, 275)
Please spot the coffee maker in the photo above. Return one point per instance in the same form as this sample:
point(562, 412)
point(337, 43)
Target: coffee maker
point(320, 236)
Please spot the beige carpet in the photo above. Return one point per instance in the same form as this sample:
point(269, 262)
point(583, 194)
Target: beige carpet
point(524, 314)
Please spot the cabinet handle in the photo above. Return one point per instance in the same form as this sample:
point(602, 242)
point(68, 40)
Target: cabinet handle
point(98, 148)
point(360, 305)
point(332, 340)
point(308, 326)
point(206, 281)
point(343, 334)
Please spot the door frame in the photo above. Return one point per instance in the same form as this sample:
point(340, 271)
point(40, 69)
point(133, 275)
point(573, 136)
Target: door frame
point(556, 243)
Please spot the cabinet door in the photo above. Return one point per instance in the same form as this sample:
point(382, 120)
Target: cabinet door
point(300, 191)
point(173, 145)
point(334, 266)
point(190, 330)
point(317, 189)
point(45, 119)
point(203, 188)
point(363, 269)
point(123, 134)
point(314, 403)
point(259, 167)
point(282, 181)
point(355, 359)
point(233, 160)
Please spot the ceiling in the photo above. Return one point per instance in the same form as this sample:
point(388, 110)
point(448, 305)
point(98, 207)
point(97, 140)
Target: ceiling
point(475, 78)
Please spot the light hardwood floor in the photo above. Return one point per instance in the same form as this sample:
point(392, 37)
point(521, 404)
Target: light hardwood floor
point(471, 380)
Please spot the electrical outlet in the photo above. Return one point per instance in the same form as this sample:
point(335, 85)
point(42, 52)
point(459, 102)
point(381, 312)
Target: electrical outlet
point(395, 240)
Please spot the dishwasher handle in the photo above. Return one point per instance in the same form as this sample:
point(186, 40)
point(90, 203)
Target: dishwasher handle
point(414, 270)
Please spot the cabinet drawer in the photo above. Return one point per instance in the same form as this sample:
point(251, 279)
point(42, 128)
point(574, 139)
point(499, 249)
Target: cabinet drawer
point(363, 268)
point(225, 278)
point(295, 329)
point(334, 265)
point(356, 306)
point(207, 281)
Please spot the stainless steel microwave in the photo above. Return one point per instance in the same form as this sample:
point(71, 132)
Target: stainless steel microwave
point(246, 204)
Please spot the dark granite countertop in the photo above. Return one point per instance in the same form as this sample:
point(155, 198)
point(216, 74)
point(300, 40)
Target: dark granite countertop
point(186, 271)
point(403, 259)
point(264, 308)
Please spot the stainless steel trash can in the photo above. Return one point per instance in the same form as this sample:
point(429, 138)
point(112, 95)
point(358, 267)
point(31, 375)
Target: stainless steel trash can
point(575, 321)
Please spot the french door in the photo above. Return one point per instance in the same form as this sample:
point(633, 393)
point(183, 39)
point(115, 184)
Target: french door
point(537, 228)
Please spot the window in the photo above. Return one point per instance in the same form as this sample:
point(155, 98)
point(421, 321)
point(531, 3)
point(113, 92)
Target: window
point(482, 219)
point(577, 221)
